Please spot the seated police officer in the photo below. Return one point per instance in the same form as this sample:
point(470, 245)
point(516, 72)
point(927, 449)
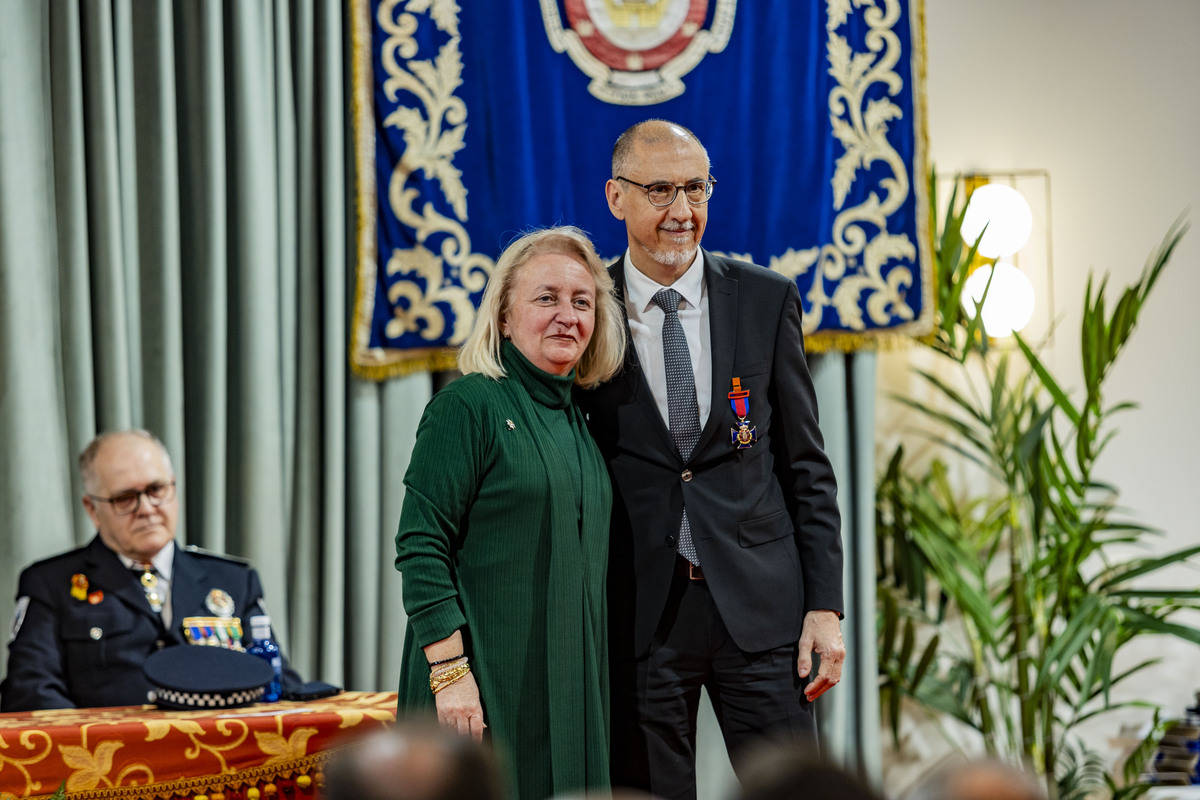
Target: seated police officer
point(86, 620)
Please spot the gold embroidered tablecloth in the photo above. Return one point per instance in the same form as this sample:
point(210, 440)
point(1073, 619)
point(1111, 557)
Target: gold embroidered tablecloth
point(267, 751)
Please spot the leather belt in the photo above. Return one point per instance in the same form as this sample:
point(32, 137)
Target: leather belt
point(688, 570)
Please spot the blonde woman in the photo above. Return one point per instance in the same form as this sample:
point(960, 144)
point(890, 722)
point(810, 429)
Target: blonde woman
point(503, 539)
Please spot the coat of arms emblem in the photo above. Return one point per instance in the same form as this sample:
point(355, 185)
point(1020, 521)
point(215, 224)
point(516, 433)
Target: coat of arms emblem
point(637, 51)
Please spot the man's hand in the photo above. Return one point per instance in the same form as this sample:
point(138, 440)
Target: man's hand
point(822, 634)
point(458, 707)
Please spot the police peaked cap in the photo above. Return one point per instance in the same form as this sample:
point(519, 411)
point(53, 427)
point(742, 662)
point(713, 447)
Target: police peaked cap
point(195, 677)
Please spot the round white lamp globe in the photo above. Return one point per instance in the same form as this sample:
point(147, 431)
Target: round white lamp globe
point(1010, 299)
point(1007, 216)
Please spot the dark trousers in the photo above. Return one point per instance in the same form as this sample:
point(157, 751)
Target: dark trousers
point(756, 696)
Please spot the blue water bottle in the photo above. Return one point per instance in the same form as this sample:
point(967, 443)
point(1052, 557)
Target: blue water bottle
point(263, 647)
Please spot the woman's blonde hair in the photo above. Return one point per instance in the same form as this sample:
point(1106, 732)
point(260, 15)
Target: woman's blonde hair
point(604, 354)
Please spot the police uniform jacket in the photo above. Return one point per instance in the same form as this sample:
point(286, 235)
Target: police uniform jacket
point(68, 651)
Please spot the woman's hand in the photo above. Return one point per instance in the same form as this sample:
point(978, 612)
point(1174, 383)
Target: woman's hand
point(459, 709)
point(458, 705)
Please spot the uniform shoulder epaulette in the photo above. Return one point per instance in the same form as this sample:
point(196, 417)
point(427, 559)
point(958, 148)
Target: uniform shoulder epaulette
point(192, 549)
point(70, 555)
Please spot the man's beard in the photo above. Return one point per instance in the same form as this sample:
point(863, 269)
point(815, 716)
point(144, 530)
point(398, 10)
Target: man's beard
point(673, 258)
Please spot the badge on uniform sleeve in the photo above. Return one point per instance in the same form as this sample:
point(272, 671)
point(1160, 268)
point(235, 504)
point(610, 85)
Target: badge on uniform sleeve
point(220, 603)
point(745, 434)
point(19, 616)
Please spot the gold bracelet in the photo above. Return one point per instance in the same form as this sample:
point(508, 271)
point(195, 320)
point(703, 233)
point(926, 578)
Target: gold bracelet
point(444, 668)
point(447, 677)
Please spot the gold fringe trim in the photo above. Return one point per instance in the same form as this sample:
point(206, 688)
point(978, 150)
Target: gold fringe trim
point(820, 343)
point(399, 363)
point(363, 363)
point(189, 787)
point(923, 327)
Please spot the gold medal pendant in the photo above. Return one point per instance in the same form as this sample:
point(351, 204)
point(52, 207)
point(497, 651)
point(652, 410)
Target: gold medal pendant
point(744, 435)
point(149, 583)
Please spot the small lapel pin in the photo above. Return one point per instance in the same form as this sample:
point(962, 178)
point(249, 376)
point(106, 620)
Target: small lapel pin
point(511, 425)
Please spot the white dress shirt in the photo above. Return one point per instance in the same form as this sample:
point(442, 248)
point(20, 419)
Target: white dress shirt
point(645, 325)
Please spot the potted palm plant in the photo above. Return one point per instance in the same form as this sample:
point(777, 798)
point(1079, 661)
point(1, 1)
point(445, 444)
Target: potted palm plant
point(1004, 608)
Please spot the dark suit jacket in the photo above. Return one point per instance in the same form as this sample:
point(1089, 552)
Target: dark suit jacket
point(765, 519)
point(72, 653)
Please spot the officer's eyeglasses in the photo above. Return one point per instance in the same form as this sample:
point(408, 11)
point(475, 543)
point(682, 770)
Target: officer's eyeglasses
point(663, 194)
point(128, 502)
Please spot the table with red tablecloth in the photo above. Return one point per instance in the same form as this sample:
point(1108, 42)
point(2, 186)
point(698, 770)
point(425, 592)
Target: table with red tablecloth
point(267, 751)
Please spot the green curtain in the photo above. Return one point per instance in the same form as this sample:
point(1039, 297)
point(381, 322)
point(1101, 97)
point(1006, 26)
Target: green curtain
point(176, 252)
point(175, 245)
point(848, 715)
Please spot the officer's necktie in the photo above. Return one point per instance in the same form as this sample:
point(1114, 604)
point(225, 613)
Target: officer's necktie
point(149, 580)
point(682, 412)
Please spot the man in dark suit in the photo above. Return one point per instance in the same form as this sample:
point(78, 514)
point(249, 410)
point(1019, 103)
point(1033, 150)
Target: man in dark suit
point(86, 620)
point(726, 567)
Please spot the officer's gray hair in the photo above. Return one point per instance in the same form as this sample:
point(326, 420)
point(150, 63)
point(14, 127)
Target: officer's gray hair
point(87, 458)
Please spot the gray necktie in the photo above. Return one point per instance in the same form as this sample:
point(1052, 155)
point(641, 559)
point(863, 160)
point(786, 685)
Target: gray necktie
point(682, 412)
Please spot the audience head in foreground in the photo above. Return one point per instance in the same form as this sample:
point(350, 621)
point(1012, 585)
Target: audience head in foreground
point(414, 761)
point(985, 779)
point(790, 771)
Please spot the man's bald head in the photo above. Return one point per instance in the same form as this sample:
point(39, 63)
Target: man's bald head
point(650, 133)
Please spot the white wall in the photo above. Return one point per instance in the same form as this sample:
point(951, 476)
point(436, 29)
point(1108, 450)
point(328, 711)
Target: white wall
point(1105, 95)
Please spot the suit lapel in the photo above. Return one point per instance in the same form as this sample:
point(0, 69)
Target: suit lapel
point(722, 326)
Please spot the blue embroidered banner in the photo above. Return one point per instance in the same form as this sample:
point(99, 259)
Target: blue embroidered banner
point(476, 123)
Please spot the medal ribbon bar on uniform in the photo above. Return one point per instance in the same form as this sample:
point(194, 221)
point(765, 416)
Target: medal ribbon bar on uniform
point(214, 631)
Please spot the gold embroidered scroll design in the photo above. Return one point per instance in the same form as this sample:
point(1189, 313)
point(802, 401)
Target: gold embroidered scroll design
point(440, 272)
point(854, 261)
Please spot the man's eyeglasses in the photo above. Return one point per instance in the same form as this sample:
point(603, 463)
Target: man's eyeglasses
point(663, 194)
point(128, 502)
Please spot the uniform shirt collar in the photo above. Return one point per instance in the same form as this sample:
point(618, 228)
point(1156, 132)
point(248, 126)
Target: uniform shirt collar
point(641, 289)
point(163, 563)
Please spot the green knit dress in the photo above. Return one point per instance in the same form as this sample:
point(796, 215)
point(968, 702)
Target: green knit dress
point(504, 535)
